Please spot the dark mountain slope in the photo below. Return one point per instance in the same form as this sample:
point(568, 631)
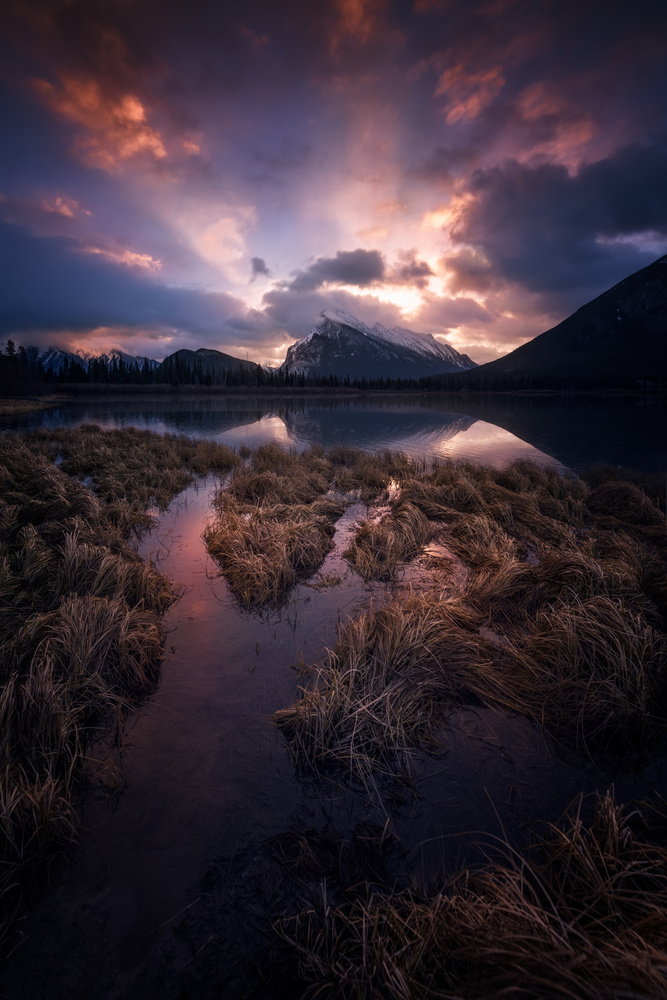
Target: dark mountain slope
point(620, 334)
point(210, 360)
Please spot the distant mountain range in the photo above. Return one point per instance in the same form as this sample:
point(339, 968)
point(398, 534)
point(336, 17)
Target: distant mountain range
point(619, 335)
point(54, 358)
point(343, 345)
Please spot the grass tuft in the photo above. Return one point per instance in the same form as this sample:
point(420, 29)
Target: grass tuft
point(80, 621)
point(582, 913)
point(275, 518)
point(570, 580)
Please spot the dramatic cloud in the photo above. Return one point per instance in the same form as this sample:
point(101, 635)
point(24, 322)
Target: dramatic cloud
point(362, 269)
point(115, 129)
point(51, 286)
point(349, 267)
point(410, 270)
point(158, 154)
point(258, 268)
point(559, 233)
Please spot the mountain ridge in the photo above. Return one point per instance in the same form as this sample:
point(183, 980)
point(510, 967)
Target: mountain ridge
point(379, 352)
point(620, 333)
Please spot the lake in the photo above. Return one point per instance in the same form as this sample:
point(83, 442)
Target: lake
point(204, 781)
point(571, 431)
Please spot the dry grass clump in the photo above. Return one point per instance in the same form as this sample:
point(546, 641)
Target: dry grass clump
point(379, 547)
point(624, 502)
point(479, 540)
point(580, 648)
point(582, 913)
point(510, 590)
point(591, 671)
point(80, 621)
point(393, 671)
point(369, 473)
point(537, 507)
point(274, 522)
point(130, 470)
point(264, 551)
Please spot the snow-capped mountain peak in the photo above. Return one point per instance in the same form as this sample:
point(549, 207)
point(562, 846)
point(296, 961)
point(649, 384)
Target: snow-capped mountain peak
point(342, 344)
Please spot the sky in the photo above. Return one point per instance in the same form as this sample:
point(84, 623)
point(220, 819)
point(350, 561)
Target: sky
point(198, 174)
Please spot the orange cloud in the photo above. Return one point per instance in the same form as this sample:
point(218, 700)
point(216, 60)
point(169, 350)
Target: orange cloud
point(62, 205)
point(361, 22)
point(117, 128)
point(374, 234)
point(469, 93)
point(358, 18)
point(569, 127)
point(129, 257)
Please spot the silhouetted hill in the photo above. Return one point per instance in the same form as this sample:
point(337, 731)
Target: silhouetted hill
point(207, 366)
point(622, 334)
point(210, 360)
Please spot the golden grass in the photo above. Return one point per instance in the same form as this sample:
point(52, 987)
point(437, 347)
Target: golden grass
point(582, 648)
point(581, 914)
point(275, 518)
point(18, 407)
point(130, 470)
point(80, 620)
point(265, 551)
point(380, 547)
point(393, 670)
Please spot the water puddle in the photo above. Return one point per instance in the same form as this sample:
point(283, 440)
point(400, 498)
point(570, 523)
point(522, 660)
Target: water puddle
point(205, 773)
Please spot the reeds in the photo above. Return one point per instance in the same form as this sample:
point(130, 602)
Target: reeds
point(581, 913)
point(581, 646)
point(275, 518)
point(80, 621)
point(380, 547)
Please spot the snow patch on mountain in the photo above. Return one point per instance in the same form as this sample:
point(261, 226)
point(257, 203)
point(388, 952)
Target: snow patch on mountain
point(342, 344)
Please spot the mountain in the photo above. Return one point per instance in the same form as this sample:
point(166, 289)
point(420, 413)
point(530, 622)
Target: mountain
point(620, 334)
point(54, 358)
point(132, 359)
point(211, 362)
point(342, 345)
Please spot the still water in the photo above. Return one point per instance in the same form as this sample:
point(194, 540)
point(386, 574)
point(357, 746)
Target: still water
point(203, 779)
point(572, 431)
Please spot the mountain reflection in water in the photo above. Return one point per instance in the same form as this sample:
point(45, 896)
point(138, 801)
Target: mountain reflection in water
point(496, 428)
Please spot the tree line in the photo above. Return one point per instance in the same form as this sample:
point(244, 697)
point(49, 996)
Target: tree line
point(20, 367)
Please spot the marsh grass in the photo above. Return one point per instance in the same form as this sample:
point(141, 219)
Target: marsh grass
point(581, 913)
point(264, 552)
point(80, 621)
point(569, 581)
point(18, 407)
point(393, 671)
point(128, 470)
point(379, 548)
point(275, 519)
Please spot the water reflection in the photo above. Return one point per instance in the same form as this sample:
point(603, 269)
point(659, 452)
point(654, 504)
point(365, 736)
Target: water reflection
point(207, 774)
point(574, 432)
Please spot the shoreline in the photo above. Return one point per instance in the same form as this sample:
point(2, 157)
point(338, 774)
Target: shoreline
point(87, 392)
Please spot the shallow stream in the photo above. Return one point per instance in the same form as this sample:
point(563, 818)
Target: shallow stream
point(204, 774)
